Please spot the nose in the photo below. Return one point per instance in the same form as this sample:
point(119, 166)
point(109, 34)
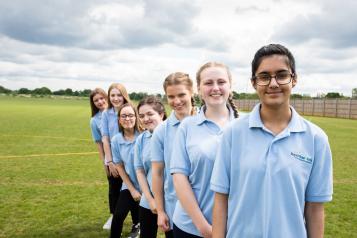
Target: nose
point(215, 86)
point(176, 101)
point(273, 83)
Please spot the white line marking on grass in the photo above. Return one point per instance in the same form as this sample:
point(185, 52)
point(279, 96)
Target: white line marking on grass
point(51, 137)
point(39, 155)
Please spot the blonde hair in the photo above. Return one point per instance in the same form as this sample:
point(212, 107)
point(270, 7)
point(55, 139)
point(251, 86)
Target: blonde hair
point(180, 78)
point(121, 89)
point(217, 64)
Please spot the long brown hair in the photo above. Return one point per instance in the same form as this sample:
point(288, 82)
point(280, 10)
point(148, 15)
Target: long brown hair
point(180, 78)
point(137, 126)
point(121, 89)
point(94, 92)
point(217, 64)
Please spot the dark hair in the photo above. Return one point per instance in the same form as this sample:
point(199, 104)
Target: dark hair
point(217, 64)
point(121, 89)
point(137, 126)
point(269, 50)
point(155, 103)
point(179, 78)
point(94, 92)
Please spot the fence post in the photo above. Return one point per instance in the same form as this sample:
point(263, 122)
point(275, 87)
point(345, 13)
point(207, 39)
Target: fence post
point(313, 107)
point(350, 109)
point(324, 107)
point(336, 106)
point(303, 106)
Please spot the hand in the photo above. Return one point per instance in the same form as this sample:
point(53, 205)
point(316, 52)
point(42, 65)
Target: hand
point(152, 205)
point(163, 221)
point(113, 170)
point(206, 230)
point(136, 195)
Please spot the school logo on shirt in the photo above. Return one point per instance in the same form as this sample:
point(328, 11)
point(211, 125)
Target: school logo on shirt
point(301, 157)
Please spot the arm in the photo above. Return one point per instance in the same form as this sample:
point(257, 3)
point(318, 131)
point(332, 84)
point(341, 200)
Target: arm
point(220, 208)
point(188, 201)
point(158, 190)
point(314, 217)
point(140, 174)
point(101, 154)
point(108, 156)
point(125, 177)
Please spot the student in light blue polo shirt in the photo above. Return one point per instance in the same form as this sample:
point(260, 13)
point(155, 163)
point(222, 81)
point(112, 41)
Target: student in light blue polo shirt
point(194, 152)
point(117, 96)
point(273, 171)
point(151, 114)
point(179, 92)
point(98, 103)
point(122, 146)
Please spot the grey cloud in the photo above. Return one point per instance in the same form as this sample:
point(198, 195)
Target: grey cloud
point(242, 10)
point(69, 24)
point(334, 27)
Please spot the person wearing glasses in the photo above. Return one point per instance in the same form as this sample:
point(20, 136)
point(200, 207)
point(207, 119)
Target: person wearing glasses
point(196, 143)
point(273, 169)
point(122, 146)
point(151, 114)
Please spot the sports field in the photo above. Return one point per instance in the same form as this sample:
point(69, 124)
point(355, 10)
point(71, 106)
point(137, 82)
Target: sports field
point(52, 183)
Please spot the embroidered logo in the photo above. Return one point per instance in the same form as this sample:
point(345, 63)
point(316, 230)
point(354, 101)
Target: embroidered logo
point(301, 157)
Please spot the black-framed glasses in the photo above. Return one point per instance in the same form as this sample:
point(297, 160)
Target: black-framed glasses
point(125, 116)
point(283, 77)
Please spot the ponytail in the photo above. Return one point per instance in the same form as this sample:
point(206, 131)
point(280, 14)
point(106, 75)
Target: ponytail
point(233, 106)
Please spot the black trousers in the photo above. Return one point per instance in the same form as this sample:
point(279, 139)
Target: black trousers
point(169, 234)
point(178, 233)
point(126, 203)
point(114, 192)
point(148, 223)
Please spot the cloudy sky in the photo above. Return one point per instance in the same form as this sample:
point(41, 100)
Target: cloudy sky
point(92, 43)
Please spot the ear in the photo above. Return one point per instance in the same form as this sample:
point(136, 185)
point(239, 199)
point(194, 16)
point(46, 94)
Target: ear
point(162, 116)
point(294, 81)
point(253, 84)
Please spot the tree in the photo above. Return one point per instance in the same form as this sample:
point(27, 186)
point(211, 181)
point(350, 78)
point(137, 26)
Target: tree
point(333, 95)
point(4, 90)
point(24, 91)
point(68, 92)
point(42, 91)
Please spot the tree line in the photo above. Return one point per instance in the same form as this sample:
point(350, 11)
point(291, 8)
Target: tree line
point(140, 95)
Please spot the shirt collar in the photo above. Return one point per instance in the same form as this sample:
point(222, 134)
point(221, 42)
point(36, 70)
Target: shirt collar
point(122, 140)
point(202, 117)
point(296, 123)
point(172, 120)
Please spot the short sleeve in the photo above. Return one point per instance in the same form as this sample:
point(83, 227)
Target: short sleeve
point(320, 185)
point(221, 177)
point(157, 144)
point(180, 162)
point(105, 126)
point(116, 151)
point(138, 163)
point(96, 133)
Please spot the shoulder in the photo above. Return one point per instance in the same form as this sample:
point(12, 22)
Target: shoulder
point(117, 138)
point(314, 130)
point(189, 121)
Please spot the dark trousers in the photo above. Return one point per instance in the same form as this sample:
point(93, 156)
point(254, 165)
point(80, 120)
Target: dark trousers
point(181, 234)
point(126, 204)
point(114, 192)
point(148, 223)
point(169, 234)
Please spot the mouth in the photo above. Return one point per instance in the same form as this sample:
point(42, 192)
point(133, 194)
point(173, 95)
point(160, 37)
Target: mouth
point(216, 95)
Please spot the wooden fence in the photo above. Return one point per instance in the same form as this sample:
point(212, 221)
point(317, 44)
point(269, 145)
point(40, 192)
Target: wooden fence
point(341, 108)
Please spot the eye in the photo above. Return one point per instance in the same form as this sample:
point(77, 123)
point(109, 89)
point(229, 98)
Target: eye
point(264, 77)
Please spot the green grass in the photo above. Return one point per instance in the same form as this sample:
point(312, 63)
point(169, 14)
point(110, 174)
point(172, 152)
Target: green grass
point(66, 195)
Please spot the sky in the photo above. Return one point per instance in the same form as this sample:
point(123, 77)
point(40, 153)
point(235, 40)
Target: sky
point(85, 44)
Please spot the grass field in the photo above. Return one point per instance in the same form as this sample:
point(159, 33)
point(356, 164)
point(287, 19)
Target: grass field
point(53, 185)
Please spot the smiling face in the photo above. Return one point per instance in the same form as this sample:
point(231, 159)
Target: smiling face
point(116, 98)
point(179, 99)
point(100, 101)
point(127, 117)
point(274, 95)
point(214, 87)
point(149, 118)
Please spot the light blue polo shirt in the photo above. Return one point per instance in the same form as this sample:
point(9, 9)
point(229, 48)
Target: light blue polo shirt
point(123, 153)
point(142, 160)
point(110, 123)
point(161, 149)
point(95, 126)
point(193, 155)
point(269, 178)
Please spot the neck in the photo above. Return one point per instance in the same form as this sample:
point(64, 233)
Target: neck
point(181, 116)
point(129, 132)
point(218, 114)
point(275, 119)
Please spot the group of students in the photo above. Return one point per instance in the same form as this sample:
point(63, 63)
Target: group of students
point(203, 173)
